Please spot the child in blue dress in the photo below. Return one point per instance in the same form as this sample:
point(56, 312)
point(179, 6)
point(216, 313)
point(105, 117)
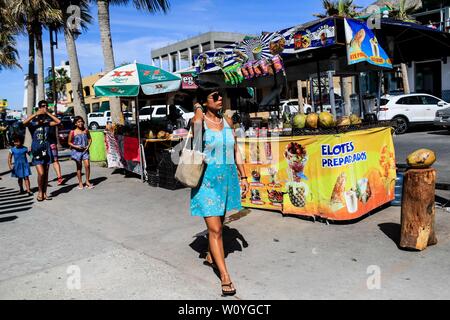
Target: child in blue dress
point(21, 167)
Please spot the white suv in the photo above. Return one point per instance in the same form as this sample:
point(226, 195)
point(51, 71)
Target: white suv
point(409, 109)
point(97, 120)
point(291, 106)
point(160, 111)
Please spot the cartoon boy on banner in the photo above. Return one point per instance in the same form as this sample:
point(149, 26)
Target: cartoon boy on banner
point(363, 46)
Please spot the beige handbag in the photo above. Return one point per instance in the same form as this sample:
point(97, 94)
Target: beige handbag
point(191, 165)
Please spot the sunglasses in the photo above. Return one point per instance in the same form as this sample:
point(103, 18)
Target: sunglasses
point(215, 96)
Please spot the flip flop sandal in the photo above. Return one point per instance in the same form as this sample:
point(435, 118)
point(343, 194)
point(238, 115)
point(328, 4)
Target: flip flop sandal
point(48, 198)
point(39, 199)
point(80, 188)
point(60, 181)
point(90, 187)
point(228, 292)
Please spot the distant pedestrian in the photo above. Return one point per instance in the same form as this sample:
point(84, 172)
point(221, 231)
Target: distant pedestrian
point(20, 168)
point(80, 141)
point(54, 149)
point(39, 125)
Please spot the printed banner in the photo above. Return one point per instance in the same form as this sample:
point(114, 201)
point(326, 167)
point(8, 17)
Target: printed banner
point(338, 177)
point(363, 46)
point(113, 151)
point(317, 36)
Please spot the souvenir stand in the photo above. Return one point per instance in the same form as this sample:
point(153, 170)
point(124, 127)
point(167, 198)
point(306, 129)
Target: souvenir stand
point(308, 165)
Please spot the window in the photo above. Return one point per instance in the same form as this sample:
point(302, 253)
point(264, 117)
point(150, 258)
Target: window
point(108, 113)
point(161, 111)
point(410, 100)
point(384, 102)
point(429, 100)
point(145, 111)
point(95, 107)
point(87, 91)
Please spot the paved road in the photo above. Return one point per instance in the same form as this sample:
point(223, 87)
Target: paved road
point(128, 240)
point(436, 140)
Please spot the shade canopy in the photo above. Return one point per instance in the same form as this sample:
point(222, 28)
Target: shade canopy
point(125, 81)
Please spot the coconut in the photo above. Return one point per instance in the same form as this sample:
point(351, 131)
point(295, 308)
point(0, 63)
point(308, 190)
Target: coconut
point(299, 121)
point(354, 119)
point(326, 119)
point(312, 120)
point(343, 121)
point(421, 158)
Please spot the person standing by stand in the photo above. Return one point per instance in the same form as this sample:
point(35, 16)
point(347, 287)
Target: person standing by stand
point(39, 124)
point(54, 149)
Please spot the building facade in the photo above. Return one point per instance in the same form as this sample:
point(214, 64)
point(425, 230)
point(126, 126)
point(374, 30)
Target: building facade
point(91, 102)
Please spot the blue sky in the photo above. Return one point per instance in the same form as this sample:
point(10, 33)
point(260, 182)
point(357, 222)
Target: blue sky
point(136, 33)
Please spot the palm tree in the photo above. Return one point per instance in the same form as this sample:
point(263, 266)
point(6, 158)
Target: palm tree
point(61, 80)
point(70, 35)
point(342, 8)
point(151, 6)
point(28, 16)
point(9, 55)
point(403, 10)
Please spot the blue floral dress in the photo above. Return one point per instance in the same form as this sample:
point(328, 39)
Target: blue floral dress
point(219, 190)
point(21, 167)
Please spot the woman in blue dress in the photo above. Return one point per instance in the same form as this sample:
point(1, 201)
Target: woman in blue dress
point(20, 168)
point(219, 190)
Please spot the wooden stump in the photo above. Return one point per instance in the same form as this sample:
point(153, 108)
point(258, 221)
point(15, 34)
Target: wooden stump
point(418, 211)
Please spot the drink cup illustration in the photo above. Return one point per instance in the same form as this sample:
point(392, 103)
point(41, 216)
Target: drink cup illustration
point(257, 53)
point(351, 200)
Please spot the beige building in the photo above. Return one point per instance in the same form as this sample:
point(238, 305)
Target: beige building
point(92, 103)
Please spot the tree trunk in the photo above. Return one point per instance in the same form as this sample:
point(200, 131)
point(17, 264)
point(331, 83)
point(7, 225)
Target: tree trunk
point(75, 75)
point(108, 55)
point(406, 88)
point(418, 212)
point(31, 82)
point(40, 64)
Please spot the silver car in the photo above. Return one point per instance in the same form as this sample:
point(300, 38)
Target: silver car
point(443, 118)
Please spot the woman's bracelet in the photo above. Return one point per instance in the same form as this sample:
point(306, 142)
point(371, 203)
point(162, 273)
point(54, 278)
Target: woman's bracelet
point(242, 178)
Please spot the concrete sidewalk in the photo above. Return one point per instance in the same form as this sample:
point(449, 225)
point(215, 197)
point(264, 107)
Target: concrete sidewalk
point(128, 240)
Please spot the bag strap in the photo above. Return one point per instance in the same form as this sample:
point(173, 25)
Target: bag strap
point(189, 135)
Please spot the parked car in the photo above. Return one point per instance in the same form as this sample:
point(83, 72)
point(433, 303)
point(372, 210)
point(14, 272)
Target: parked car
point(97, 120)
point(410, 109)
point(63, 132)
point(443, 118)
point(159, 112)
point(291, 106)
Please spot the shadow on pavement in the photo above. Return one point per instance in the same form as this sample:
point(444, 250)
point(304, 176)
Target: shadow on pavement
point(440, 133)
point(11, 201)
point(392, 230)
point(441, 201)
point(67, 189)
point(8, 219)
point(230, 244)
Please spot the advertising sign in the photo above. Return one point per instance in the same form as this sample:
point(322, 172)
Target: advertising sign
point(363, 46)
point(187, 81)
point(317, 36)
point(338, 177)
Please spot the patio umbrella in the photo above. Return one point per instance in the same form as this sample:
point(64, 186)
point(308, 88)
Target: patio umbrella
point(127, 80)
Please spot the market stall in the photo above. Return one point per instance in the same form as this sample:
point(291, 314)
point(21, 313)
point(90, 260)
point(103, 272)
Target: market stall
point(338, 165)
point(125, 145)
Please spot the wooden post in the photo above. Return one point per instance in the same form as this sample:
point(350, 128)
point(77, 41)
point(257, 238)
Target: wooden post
point(418, 211)
point(301, 105)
